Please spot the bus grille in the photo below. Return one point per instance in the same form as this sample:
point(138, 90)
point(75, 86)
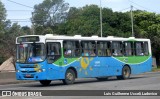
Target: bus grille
point(28, 66)
point(28, 71)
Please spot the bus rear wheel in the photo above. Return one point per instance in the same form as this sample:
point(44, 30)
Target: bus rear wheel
point(45, 82)
point(125, 73)
point(69, 77)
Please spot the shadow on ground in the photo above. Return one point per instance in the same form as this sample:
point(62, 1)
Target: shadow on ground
point(78, 81)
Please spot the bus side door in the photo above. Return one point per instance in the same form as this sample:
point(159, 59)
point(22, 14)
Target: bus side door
point(54, 54)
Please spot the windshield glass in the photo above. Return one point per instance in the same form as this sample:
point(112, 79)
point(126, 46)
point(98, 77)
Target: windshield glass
point(30, 53)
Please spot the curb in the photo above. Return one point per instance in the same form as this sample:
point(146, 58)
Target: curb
point(10, 78)
point(14, 82)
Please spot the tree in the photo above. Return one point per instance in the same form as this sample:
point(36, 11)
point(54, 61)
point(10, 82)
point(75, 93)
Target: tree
point(83, 21)
point(86, 21)
point(50, 12)
point(143, 20)
point(47, 30)
point(2, 18)
point(26, 30)
point(7, 47)
point(148, 26)
point(2, 27)
point(153, 33)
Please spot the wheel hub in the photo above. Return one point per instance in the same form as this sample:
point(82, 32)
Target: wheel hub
point(126, 72)
point(69, 76)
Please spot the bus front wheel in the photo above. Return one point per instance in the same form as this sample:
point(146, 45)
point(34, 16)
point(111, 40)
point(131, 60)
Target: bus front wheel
point(69, 77)
point(45, 82)
point(125, 73)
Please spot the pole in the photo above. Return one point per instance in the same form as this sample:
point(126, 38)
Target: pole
point(101, 18)
point(132, 21)
point(32, 24)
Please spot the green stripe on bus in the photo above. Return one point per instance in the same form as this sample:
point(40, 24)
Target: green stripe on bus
point(60, 62)
point(133, 59)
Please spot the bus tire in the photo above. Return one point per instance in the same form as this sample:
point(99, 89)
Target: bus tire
point(69, 77)
point(126, 71)
point(45, 82)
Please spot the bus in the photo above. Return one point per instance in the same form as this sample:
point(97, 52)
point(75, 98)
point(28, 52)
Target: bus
point(50, 57)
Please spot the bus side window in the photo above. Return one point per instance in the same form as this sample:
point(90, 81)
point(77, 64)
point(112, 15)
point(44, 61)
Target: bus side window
point(128, 48)
point(71, 48)
point(139, 48)
point(77, 49)
point(104, 48)
point(108, 48)
point(88, 48)
point(92, 48)
point(145, 46)
point(101, 48)
point(67, 48)
point(117, 48)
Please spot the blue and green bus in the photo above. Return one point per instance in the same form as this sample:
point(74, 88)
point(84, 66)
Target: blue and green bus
point(56, 57)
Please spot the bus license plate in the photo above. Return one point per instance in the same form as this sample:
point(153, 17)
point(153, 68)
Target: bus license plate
point(28, 75)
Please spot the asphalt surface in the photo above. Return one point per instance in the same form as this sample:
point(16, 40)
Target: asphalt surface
point(146, 81)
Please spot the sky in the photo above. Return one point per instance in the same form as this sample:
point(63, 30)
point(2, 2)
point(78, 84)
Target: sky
point(22, 14)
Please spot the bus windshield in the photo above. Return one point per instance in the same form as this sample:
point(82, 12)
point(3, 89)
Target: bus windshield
point(30, 53)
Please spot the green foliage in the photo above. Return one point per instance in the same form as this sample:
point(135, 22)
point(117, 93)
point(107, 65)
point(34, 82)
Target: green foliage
point(48, 30)
point(84, 21)
point(8, 34)
point(50, 12)
point(2, 18)
point(3, 12)
point(26, 30)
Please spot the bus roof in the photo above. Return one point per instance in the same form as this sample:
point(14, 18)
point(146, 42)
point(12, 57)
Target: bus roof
point(79, 37)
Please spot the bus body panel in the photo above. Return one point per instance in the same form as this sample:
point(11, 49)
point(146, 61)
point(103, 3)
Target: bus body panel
point(94, 67)
point(31, 71)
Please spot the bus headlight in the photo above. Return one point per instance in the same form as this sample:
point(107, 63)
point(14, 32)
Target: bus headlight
point(41, 70)
point(17, 70)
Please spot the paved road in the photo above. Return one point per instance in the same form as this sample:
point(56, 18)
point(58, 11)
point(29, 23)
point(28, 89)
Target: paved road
point(147, 81)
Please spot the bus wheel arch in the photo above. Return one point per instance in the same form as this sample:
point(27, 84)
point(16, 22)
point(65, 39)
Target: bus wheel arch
point(75, 71)
point(70, 76)
point(126, 72)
